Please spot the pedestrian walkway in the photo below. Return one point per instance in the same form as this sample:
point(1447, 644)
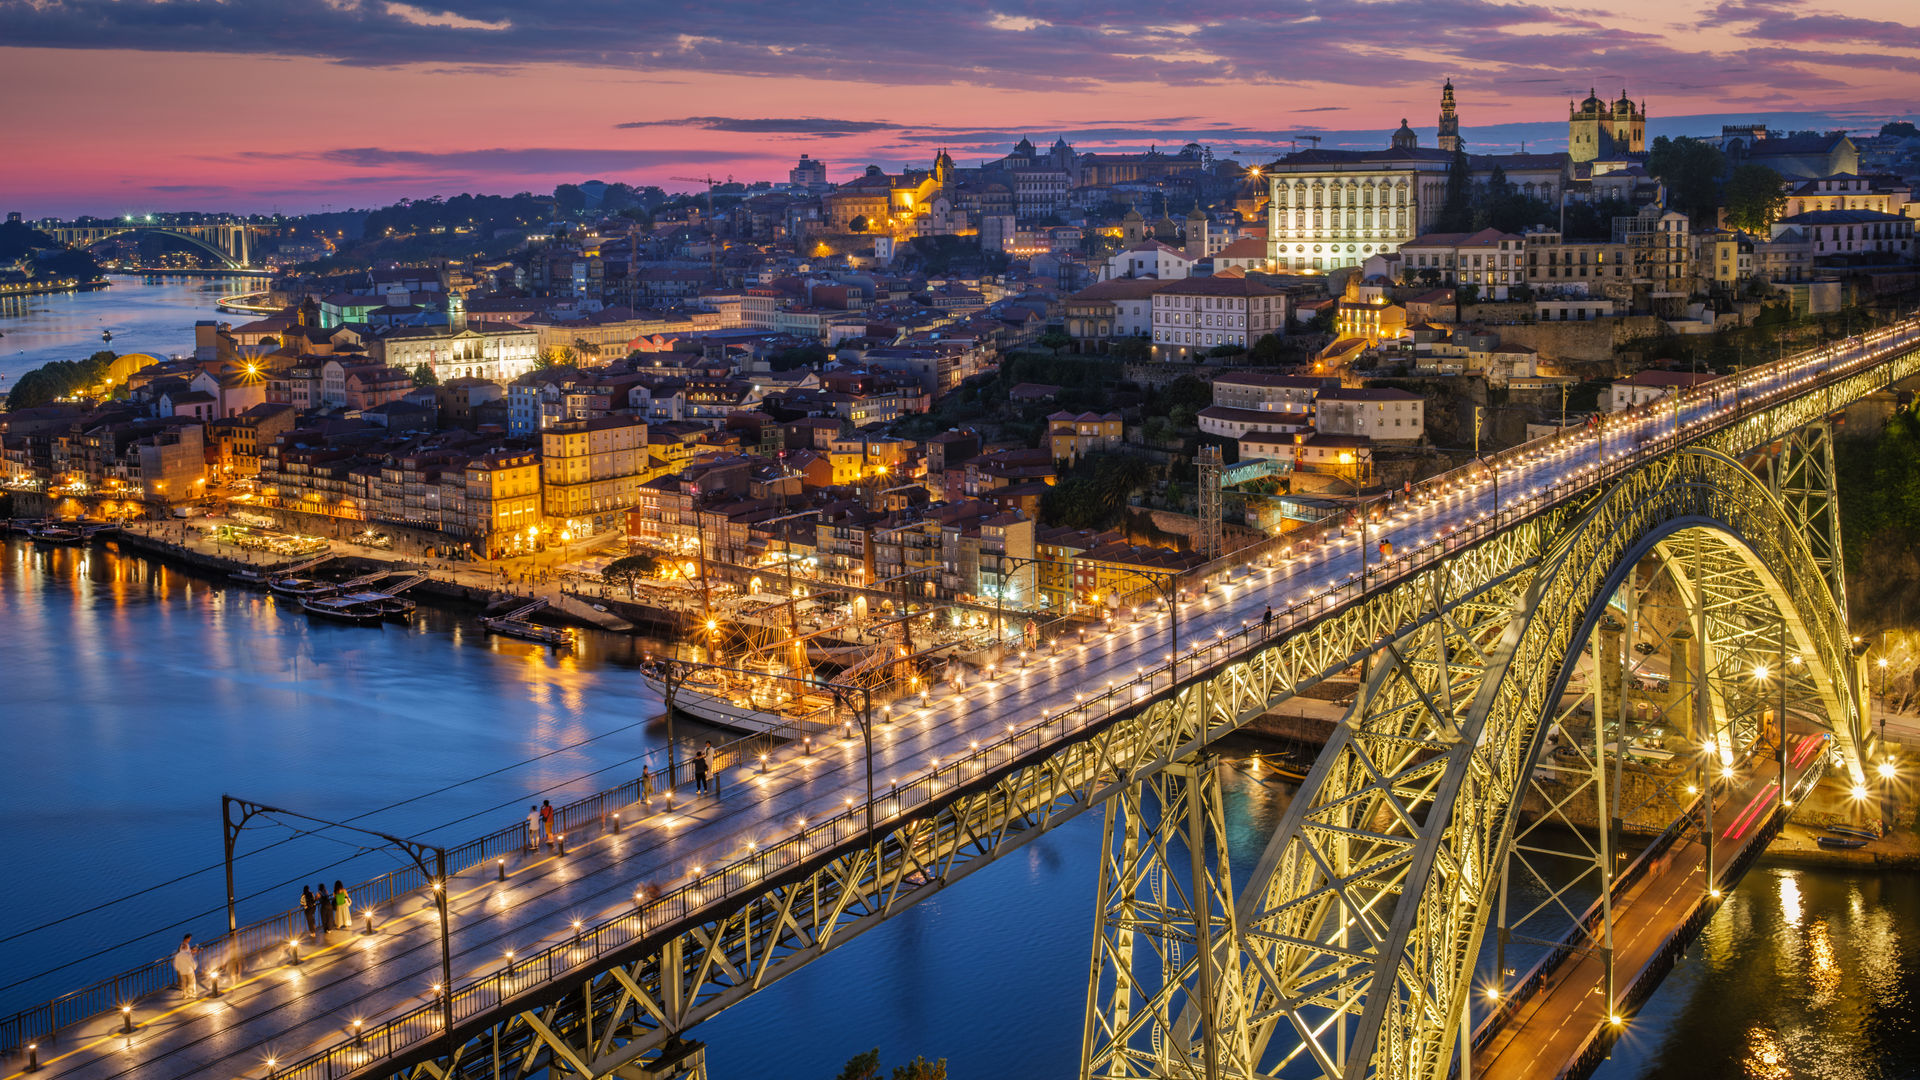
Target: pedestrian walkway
point(283, 1011)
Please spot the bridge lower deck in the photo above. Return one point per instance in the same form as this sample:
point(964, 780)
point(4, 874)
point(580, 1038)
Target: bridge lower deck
point(283, 1011)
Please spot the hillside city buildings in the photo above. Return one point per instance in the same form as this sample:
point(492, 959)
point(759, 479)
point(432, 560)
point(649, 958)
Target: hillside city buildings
point(818, 370)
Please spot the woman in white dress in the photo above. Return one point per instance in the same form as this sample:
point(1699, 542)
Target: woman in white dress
point(187, 966)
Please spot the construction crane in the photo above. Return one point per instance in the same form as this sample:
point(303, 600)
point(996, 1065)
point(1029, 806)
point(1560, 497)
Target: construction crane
point(713, 237)
point(1296, 140)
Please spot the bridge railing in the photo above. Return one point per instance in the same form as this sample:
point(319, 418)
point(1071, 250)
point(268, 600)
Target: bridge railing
point(744, 875)
point(592, 813)
point(1906, 331)
point(227, 954)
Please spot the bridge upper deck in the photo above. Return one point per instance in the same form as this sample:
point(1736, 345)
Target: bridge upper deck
point(710, 852)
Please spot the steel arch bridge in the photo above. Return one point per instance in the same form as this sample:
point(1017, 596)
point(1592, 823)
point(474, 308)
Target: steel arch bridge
point(230, 243)
point(1351, 949)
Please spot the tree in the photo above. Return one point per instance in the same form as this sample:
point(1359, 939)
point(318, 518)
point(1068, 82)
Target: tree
point(1900, 129)
point(1753, 197)
point(1055, 339)
point(858, 224)
point(629, 569)
point(921, 1069)
point(554, 355)
point(1691, 170)
point(423, 375)
point(862, 1066)
point(1267, 351)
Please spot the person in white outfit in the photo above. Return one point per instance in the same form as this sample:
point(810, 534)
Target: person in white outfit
point(187, 966)
point(533, 828)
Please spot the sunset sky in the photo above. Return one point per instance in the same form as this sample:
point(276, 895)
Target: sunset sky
point(119, 106)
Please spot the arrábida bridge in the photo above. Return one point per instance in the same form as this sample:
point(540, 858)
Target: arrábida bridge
point(1694, 540)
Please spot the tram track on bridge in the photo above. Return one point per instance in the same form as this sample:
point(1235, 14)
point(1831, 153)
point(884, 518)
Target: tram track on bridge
point(251, 1054)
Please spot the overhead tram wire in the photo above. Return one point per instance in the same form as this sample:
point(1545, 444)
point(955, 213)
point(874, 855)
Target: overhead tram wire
point(147, 891)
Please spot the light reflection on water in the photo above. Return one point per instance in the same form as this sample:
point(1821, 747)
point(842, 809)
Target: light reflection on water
point(136, 694)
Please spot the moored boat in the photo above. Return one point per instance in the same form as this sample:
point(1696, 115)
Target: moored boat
point(1839, 842)
point(704, 697)
point(342, 608)
point(301, 588)
point(58, 534)
point(556, 636)
point(1854, 831)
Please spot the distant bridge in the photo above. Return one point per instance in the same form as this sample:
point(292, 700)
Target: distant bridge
point(230, 242)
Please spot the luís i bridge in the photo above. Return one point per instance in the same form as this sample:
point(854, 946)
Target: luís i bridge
point(1637, 627)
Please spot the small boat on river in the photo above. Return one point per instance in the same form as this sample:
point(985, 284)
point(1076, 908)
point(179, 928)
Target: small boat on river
point(1839, 843)
point(1854, 831)
point(556, 636)
point(300, 588)
point(351, 607)
point(58, 534)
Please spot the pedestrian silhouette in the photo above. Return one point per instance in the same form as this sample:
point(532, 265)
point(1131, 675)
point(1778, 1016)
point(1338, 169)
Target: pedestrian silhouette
point(186, 965)
point(700, 771)
point(546, 822)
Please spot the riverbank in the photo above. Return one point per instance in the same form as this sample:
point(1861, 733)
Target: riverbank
point(181, 543)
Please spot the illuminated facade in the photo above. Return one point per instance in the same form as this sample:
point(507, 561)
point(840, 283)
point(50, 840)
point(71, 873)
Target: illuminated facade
point(1597, 130)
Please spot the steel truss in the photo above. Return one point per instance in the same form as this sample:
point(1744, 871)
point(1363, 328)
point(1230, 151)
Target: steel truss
point(1362, 924)
point(1351, 945)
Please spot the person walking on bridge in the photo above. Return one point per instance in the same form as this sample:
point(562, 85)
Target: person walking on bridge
point(323, 900)
point(700, 771)
point(533, 828)
point(713, 763)
point(306, 906)
point(186, 965)
point(342, 907)
point(546, 822)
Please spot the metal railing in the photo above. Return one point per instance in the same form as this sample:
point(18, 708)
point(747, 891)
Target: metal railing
point(591, 814)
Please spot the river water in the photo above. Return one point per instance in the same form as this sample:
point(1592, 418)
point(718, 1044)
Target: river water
point(136, 694)
point(146, 315)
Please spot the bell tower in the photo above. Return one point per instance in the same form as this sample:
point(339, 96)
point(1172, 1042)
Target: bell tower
point(1449, 139)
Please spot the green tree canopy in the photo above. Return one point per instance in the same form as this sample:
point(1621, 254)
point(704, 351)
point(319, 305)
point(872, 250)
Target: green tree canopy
point(423, 375)
point(1691, 170)
point(1754, 197)
point(858, 224)
point(629, 569)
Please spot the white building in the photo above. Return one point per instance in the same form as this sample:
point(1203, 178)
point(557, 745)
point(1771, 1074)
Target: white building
point(1205, 313)
point(1493, 260)
point(1650, 386)
point(498, 352)
point(1150, 258)
point(1381, 414)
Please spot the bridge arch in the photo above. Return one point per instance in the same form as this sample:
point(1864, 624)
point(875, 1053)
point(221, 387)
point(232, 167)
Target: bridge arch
point(1362, 923)
point(226, 259)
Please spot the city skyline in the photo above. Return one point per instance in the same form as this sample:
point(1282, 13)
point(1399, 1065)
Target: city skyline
point(334, 105)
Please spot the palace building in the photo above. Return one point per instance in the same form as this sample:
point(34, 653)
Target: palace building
point(1329, 209)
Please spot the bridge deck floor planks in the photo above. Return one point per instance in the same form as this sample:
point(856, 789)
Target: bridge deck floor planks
point(285, 1014)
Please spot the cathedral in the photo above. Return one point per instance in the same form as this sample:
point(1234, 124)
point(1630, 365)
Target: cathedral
point(1598, 130)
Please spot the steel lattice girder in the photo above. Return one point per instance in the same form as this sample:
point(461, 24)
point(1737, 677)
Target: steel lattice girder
point(722, 957)
point(614, 1014)
point(1365, 922)
point(1163, 963)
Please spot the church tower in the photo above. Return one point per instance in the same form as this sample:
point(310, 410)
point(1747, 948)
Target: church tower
point(1449, 120)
